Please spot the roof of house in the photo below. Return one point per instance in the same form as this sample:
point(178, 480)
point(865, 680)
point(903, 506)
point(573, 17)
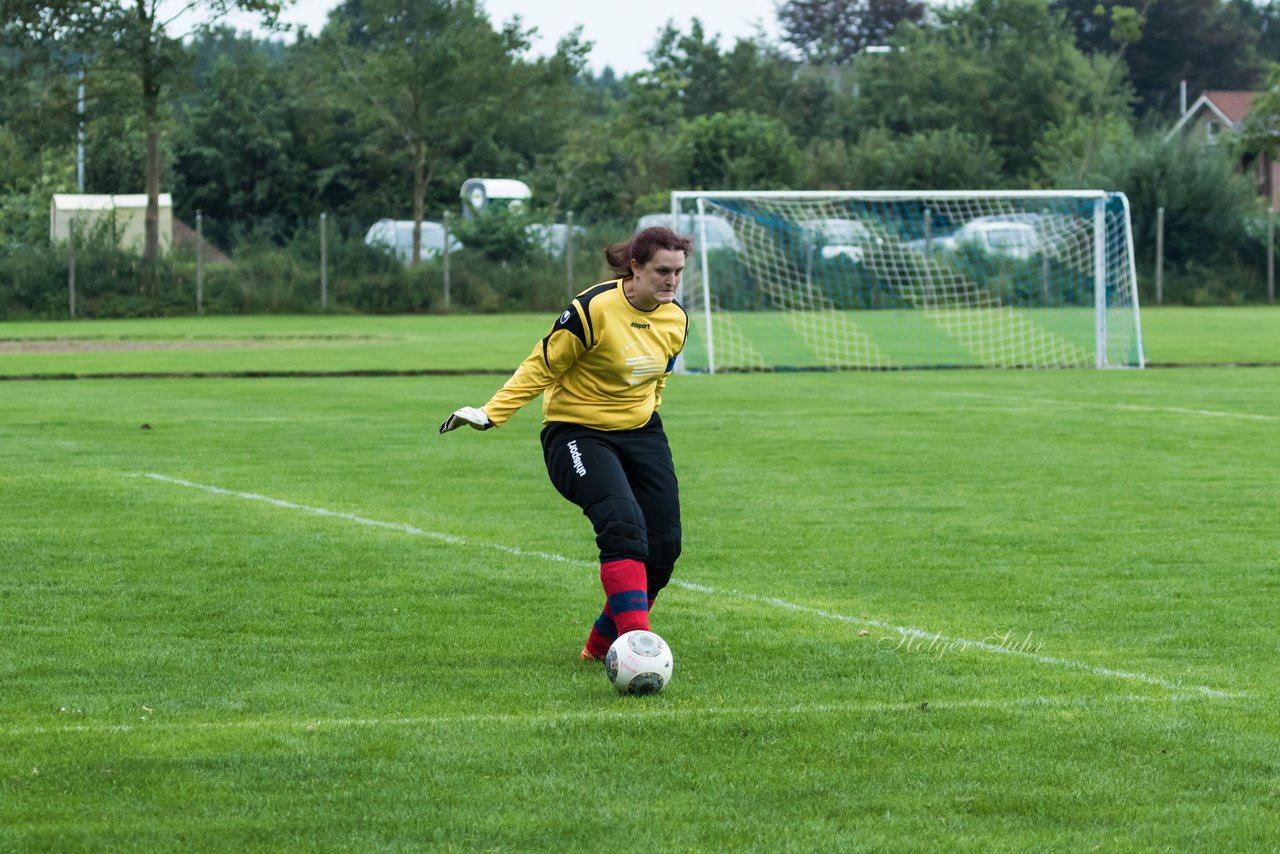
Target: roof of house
point(1227, 105)
point(1234, 105)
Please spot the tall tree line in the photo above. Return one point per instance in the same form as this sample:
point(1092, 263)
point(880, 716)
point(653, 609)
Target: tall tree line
point(388, 108)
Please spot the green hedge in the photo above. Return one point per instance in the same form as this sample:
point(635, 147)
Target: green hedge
point(267, 275)
point(271, 275)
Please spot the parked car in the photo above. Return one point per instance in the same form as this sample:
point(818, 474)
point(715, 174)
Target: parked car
point(1057, 233)
point(720, 234)
point(554, 237)
point(998, 235)
point(836, 237)
point(396, 236)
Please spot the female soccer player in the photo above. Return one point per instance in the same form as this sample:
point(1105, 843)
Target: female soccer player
point(601, 370)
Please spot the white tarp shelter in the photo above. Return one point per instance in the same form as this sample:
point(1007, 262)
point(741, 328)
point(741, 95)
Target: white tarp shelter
point(125, 215)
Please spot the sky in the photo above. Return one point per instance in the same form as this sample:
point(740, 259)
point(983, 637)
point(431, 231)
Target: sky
point(622, 33)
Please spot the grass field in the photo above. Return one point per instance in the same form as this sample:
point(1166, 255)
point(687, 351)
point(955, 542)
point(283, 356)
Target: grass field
point(972, 610)
point(231, 345)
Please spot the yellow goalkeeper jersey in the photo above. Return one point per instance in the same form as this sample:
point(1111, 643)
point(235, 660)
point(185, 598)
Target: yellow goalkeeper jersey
point(603, 364)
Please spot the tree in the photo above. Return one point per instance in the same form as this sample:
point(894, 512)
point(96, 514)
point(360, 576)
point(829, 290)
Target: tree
point(752, 76)
point(351, 170)
point(260, 144)
point(1261, 132)
point(235, 155)
point(1126, 31)
point(945, 159)
point(1004, 70)
point(431, 75)
point(119, 33)
point(740, 151)
point(1208, 43)
point(1211, 211)
point(1264, 19)
point(37, 102)
point(629, 157)
point(556, 102)
point(835, 31)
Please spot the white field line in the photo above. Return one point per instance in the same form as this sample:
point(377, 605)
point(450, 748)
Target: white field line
point(155, 721)
point(935, 639)
point(360, 520)
point(1132, 407)
point(942, 643)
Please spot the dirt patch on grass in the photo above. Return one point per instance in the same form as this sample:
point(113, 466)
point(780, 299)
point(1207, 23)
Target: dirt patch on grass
point(124, 345)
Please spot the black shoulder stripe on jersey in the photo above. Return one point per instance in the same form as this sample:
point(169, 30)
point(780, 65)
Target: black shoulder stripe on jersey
point(684, 340)
point(568, 321)
point(584, 299)
point(596, 290)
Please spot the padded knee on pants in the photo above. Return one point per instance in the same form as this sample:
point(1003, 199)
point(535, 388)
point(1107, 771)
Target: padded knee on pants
point(663, 553)
point(658, 578)
point(620, 531)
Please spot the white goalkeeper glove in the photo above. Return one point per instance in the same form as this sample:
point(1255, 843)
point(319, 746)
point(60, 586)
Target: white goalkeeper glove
point(472, 416)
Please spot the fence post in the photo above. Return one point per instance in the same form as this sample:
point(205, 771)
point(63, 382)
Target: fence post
point(445, 223)
point(1271, 254)
point(1159, 256)
point(71, 268)
point(568, 252)
point(199, 262)
point(324, 263)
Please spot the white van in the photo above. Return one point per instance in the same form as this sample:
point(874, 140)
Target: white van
point(719, 232)
point(553, 238)
point(396, 236)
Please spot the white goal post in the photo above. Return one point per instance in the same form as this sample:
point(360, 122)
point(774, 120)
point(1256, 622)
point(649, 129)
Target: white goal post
point(882, 280)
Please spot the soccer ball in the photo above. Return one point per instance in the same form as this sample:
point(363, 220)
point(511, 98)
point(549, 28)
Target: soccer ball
point(639, 662)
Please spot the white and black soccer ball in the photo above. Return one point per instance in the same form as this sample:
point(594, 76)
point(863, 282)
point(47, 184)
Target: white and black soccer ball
point(639, 662)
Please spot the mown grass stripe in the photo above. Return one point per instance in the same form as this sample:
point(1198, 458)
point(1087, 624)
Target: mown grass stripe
point(624, 709)
point(1128, 407)
point(905, 631)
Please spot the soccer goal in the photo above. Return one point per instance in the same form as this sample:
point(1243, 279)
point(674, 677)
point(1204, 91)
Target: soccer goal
point(888, 280)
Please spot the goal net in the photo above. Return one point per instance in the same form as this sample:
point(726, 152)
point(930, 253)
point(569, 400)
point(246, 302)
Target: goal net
point(889, 280)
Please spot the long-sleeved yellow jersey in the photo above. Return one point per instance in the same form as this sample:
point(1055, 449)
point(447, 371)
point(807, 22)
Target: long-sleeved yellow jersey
point(603, 364)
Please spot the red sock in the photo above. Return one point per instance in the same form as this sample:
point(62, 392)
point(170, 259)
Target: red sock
point(626, 592)
point(603, 633)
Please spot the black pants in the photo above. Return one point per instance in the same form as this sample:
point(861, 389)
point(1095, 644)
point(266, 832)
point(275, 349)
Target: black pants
point(625, 483)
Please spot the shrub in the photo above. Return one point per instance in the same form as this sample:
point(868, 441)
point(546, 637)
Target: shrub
point(1214, 228)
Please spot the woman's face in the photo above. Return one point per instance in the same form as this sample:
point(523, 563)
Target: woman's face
point(655, 283)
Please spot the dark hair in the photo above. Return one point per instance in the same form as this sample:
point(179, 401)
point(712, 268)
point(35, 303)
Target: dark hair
point(643, 246)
